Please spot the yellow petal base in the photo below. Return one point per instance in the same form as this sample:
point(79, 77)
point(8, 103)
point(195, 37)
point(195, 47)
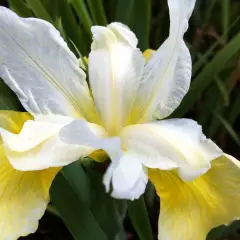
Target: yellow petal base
point(99, 156)
point(148, 54)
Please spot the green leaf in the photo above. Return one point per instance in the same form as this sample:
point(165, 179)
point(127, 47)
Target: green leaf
point(8, 100)
point(72, 29)
point(142, 12)
point(121, 210)
point(216, 233)
point(224, 231)
point(80, 182)
point(20, 8)
point(205, 78)
point(73, 211)
point(97, 12)
point(52, 209)
point(225, 16)
point(124, 14)
point(39, 10)
point(105, 209)
point(138, 215)
point(85, 199)
point(223, 90)
point(137, 15)
point(205, 113)
point(83, 14)
point(52, 7)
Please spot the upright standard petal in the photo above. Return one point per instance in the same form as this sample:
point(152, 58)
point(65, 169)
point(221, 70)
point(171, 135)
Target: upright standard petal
point(167, 75)
point(115, 69)
point(23, 195)
point(39, 146)
point(39, 67)
point(171, 144)
point(189, 210)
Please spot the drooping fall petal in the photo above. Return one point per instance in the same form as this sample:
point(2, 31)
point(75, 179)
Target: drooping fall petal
point(23, 195)
point(128, 177)
point(189, 210)
point(80, 133)
point(39, 67)
point(115, 68)
point(126, 173)
point(167, 75)
point(39, 146)
point(171, 144)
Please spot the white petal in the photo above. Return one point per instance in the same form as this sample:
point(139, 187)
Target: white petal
point(39, 146)
point(169, 144)
point(128, 177)
point(115, 69)
point(122, 32)
point(34, 132)
point(39, 67)
point(80, 133)
point(167, 75)
point(126, 172)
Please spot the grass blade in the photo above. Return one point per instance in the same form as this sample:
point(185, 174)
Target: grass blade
point(209, 52)
point(229, 128)
point(97, 12)
point(124, 14)
point(39, 10)
point(223, 90)
point(83, 14)
point(225, 17)
point(20, 8)
point(142, 10)
point(72, 29)
point(53, 9)
point(234, 110)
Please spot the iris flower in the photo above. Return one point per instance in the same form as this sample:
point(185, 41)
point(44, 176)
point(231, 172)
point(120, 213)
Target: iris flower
point(118, 111)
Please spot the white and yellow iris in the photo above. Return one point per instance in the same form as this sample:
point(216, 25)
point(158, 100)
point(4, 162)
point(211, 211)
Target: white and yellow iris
point(196, 181)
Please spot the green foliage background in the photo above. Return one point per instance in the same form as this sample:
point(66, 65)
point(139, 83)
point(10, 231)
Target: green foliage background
point(213, 100)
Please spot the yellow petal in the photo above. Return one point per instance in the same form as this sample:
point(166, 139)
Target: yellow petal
point(23, 198)
point(13, 121)
point(23, 195)
point(189, 210)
